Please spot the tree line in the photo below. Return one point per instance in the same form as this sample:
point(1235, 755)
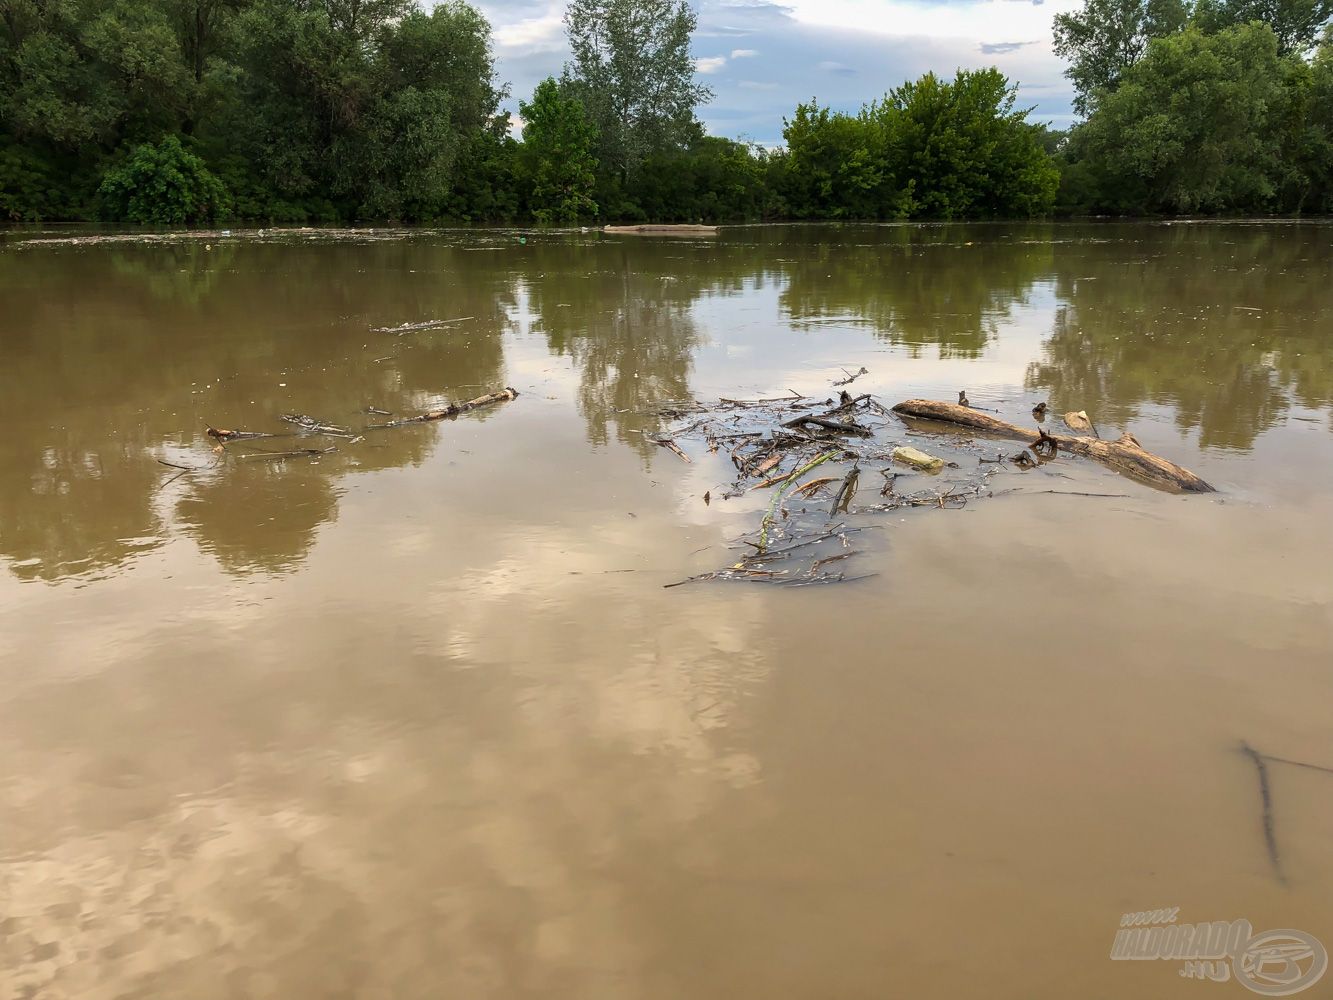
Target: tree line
point(1214, 106)
point(168, 112)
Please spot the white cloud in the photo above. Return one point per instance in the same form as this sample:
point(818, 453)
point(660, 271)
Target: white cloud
point(758, 85)
point(709, 64)
point(744, 53)
point(979, 20)
point(544, 32)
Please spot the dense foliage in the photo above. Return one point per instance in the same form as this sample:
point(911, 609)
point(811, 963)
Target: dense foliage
point(339, 109)
point(1224, 122)
point(172, 112)
point(934, 148)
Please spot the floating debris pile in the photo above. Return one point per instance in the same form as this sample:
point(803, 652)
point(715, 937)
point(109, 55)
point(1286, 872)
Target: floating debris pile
point(811, 454)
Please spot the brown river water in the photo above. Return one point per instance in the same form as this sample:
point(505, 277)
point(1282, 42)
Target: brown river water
point(419, 719)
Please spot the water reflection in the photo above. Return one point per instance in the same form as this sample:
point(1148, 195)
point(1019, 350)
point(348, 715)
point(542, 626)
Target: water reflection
point(478, 751)
point(946, 287)
point(627, 324)
point(116, 354)
point(181, 273)
point(1226, 325)
point(110, 362)
point(301, 811)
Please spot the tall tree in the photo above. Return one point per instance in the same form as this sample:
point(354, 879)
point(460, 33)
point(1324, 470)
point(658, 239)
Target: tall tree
point(1105, 37)
point(558, 145)
point(634, 73)
point(366, 104)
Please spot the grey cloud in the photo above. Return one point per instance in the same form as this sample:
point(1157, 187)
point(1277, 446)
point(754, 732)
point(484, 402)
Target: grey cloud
point(1000, 48)
point(837, 68)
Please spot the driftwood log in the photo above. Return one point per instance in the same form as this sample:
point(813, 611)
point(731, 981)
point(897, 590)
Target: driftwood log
point(453, 409)
point(1124, 456)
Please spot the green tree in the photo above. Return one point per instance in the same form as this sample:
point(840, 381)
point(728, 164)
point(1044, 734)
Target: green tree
point(1105, 37)
point(91, 72)
point(200, 27)
point(711, 180)
point(307, 108)
point(162, 184)
point(633, 71)
point(1296, 23)
point(1198, 125)
point(1316, 144)
point(841, 166)
point(558, 143)
point(965, 151)
point(369, 105)
point(937, 148)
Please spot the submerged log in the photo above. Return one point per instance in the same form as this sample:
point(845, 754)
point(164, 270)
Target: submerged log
point(1124, 456)
point(663, 230)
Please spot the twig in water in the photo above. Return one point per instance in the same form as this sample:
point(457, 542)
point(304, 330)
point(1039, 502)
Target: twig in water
point(429, 324)
point(301, 453)
point(811, 486)
point(313, 425)
point(1073, 493)
point(674, 448)
point(760, 402)
point(1298, 763)
point(850, 377)
point(1266, 796)
point(840, 426)
point(226, 435)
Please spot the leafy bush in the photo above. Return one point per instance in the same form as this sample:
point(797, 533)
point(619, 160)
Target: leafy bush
point(164, 185)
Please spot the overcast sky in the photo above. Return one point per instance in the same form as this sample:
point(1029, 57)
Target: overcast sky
point(762, 58)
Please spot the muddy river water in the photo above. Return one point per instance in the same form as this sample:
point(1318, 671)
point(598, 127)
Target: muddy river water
point(418, 718)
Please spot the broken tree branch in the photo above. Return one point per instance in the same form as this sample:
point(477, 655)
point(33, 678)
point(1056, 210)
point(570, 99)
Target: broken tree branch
point(298, 453)
point(832, 425)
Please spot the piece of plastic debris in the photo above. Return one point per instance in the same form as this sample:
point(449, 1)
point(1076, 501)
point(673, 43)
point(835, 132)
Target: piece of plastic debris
point(917, 459)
